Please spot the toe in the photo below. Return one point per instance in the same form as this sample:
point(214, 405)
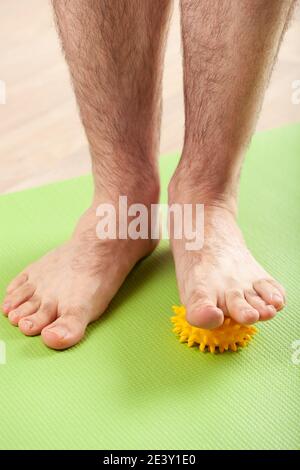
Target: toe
point(279, 287)
point(18, 296)
point(269, 293)
point(238, 307)
point(28, 308)
point(17, 282)
point(66, 331)
point(33, 324)
point(202, 311)
point(266, 312)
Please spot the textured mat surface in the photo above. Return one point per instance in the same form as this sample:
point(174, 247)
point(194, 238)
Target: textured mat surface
point(130, 383)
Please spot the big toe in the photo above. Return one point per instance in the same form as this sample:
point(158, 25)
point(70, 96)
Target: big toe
point(66, 331)
point(203, 312)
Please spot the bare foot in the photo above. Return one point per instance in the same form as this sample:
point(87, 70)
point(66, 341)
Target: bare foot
point(222, 278)
point(70, 287)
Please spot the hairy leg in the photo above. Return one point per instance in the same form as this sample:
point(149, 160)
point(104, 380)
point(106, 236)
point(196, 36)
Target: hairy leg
point(229, 51)
point(115, 52)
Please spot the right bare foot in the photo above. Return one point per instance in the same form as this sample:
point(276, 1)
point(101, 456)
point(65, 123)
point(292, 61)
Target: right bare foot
point(70, 287)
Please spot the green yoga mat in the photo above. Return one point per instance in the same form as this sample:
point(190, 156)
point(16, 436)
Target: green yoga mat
point(130, 383)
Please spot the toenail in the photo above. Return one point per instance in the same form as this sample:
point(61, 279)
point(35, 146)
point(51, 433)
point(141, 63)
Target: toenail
point(27, 324)
point(277, 298)
point(250, 315)
point(57, 331)
point(271, 309)
point(6, 305)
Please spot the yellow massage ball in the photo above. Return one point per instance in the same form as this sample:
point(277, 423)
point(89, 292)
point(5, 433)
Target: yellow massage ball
point(231, 335)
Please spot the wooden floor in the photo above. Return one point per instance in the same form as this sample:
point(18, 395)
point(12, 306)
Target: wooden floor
point(41, 139)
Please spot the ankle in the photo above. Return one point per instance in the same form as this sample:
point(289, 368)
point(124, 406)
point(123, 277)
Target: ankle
point(139, 189)
point(184, 189)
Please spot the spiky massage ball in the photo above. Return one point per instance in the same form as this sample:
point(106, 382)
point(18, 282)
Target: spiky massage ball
point(230, 335)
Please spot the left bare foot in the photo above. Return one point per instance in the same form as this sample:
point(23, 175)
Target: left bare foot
point(222, 278)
